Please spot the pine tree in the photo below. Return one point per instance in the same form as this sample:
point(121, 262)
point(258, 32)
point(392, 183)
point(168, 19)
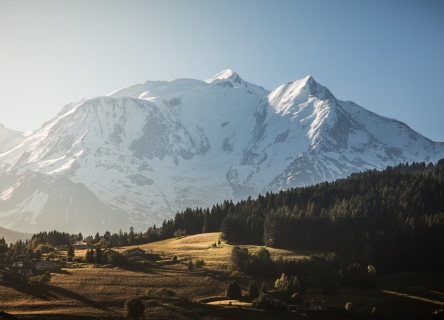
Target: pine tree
point(253, 291)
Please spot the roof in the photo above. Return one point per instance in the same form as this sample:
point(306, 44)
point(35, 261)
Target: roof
point(135, 249)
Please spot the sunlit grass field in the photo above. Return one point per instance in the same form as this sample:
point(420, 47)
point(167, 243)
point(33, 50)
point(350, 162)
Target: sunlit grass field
point(97, 292)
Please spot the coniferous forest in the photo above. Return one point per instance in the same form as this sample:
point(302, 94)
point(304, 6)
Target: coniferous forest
point(391, 219)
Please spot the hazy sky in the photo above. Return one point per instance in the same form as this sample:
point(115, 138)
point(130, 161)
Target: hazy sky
point(387, 56)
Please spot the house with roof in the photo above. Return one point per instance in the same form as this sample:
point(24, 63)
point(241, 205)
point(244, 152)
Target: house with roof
point(136, 254)
point(45, 265)
point(81, 246)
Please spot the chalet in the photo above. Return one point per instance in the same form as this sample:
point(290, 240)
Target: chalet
point(45, 265)
point(135, 254)
point(81, 246)
point(317, 304)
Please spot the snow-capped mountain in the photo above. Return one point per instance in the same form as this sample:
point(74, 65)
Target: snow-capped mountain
point(141, 153)
point(10, 138)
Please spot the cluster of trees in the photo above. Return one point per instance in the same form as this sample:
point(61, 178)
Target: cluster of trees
point(318, 270)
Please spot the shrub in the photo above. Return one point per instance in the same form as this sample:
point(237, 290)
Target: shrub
point(348, 309)
point(180, 233)
point(234, 290)
point(38, 281)
point(261, 302)
point(199, 263)
point(296, 298)
point(174, 258)
point(134, 309)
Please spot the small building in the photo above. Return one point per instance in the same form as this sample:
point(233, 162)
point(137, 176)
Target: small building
point(317, 304)
point(63, 248)
point(45, 265)
point(81, 246)
point(135, 254)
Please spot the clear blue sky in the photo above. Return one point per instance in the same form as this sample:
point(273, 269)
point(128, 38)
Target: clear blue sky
point(387, 56)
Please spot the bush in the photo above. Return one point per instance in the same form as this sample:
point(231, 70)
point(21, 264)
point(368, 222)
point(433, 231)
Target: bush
point(161, 292)
point(296, 298)
point(199, 264)
point(234, 290)
point(261, 302)
point(134, 309)
point(174, 258)
point(38, 281)
point(180, 233)
point(348, 309)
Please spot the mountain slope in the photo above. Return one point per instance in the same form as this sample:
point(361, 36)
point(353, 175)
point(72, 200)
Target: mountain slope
point(10, 138)
point(13, 236)
point(143, 152)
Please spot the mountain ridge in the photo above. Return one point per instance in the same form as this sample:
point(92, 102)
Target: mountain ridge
point(143, 152)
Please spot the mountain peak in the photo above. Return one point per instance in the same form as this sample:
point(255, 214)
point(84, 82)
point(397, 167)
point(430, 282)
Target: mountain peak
point(316, 89)
point(227, 78)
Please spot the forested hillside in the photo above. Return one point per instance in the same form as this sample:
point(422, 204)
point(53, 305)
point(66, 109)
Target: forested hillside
point(393, 219)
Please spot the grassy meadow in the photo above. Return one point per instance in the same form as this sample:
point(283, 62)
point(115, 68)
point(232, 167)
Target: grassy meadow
point(99, 292)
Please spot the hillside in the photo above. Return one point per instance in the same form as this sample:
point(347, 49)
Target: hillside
point(13, 236)
point(170, 291)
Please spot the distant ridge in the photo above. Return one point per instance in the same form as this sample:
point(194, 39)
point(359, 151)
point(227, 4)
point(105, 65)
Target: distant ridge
point(13, 236)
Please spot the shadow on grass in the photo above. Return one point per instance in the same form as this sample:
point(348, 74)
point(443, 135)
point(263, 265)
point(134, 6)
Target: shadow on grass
point(75, 296)
point(40, 292)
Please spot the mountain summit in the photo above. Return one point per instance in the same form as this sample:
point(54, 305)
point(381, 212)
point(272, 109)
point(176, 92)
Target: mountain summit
point(141, 153)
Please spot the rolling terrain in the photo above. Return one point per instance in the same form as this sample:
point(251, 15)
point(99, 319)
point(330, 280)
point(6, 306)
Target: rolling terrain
point(89, 291)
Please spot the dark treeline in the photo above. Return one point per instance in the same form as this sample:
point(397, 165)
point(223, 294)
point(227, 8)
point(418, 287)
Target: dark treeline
point(392, 219)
